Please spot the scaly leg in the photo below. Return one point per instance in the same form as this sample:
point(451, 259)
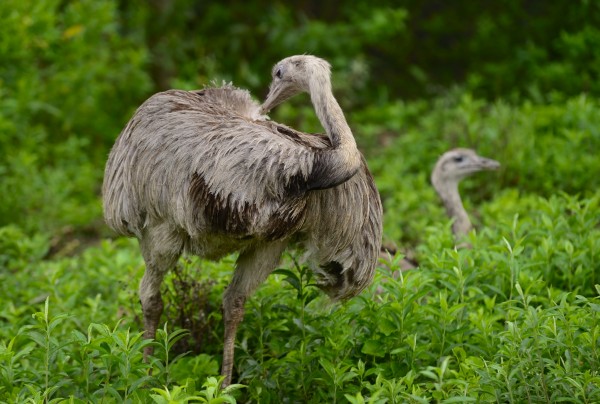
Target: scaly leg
point(252, 268)
point(161, 247)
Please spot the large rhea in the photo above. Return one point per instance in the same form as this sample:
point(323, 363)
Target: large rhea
point(202, 172)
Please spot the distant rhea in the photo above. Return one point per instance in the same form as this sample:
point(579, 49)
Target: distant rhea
point(449, 170)
point(202, 172)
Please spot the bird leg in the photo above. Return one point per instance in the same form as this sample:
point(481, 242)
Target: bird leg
point(233, 314)
point(160, 248)
point(252, 268)
point(152, 305)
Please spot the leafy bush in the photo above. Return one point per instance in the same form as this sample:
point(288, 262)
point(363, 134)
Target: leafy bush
point(382, 51)
point(58, 114)
point(513, 318)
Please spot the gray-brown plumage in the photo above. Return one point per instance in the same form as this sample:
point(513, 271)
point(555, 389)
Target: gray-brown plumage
point(450, 168)
point(202, 172)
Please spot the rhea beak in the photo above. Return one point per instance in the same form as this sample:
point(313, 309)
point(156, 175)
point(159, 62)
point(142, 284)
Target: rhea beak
point(488, 164)
point(279, 91)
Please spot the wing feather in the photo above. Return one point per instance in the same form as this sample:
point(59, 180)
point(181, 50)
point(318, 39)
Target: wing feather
point(176, 137)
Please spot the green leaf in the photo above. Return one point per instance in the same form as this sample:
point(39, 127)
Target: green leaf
point(464, 399)
point(387, 326)
point(356, 399)
point(374, 347)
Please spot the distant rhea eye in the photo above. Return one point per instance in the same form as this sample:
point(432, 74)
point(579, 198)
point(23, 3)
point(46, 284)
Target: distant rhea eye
point(278, 73)
point(458, 159)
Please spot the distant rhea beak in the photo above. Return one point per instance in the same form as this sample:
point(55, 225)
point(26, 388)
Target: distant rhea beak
point(278, 93)
point(488, 164)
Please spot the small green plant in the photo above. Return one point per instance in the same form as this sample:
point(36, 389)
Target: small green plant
point(166, 341)
point(211, 393)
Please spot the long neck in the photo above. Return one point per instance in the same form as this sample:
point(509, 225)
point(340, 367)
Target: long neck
point(450, 197)
point(330, 115)
point(336, 165)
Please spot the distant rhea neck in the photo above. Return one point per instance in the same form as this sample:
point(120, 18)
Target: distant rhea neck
point(450, 197)
point(330, 115)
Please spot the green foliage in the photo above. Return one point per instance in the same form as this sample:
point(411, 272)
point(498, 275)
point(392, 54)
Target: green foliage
point(193, 302)
point(381, 50)
point(17, 250)
point(67, 84)
point(43, 362)
point(525, 139)
point(212, 393)
point(514, 318)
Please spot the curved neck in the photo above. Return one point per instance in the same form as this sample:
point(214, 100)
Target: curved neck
point(450, 197)
point(338, 164)
point(330, 114)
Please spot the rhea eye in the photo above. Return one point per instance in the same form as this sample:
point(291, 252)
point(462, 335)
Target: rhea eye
point(278, 73)
point(458, 159)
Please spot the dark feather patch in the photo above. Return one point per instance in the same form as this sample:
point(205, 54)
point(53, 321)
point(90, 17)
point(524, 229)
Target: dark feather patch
point(324, 174)
point(335, 269)
point(218, 211)
point(225, 218)
point(287, 219)
point(350, 276)
point(296, 185)
point(290, 134)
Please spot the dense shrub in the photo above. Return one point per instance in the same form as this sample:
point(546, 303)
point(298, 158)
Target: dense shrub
point(68, 82)
point(385, 50)
point(543, 149)
point(513, 318)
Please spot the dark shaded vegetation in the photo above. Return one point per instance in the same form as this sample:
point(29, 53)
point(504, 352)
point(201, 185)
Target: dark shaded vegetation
point(390, 49)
